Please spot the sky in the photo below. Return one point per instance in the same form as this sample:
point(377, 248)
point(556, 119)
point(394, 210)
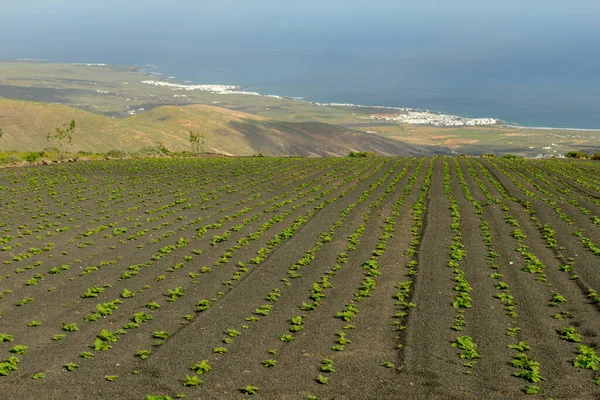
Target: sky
point(499, 23)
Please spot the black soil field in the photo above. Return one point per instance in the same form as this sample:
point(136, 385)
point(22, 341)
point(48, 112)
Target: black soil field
point(292, 278)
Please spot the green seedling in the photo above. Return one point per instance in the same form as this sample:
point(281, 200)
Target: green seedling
point(192, 381)
point(143, 354)
point(202, 367)
point(250, 390)
point(19, 349)
point(71, 366)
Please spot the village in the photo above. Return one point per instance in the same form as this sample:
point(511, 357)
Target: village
point(409, 116)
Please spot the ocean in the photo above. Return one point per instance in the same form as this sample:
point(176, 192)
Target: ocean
point(530, 73)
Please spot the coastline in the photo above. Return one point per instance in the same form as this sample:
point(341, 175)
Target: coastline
point(236, 89)
point(172, 81)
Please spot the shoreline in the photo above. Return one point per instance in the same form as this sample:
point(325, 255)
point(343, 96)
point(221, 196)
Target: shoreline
point(236, 90)
point(172, 81)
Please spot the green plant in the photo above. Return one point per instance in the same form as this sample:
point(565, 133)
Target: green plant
point(322, 380)
point(4, 337)
point(286, 338)
point(71, 366)
point(469, 348)
point(202, 367)
point(63, 136)
point(111, 378)
point(587, 358)
point(528, 369)
point(153, 305)
point(192, 381)
point(19, 349)
point(556, 299)
point(39, 375)
point(8, 365)
point(326, 365)
point(521, 346)
point(220, 350)
point(531, 389)
point(249, 390)
point(570, 334)
point(86, 354)
point(270, 363)
point(233, 332)
point(175, 293)
point(161, 337)
point(143, 354)
point(514, 331)
point(69, 327)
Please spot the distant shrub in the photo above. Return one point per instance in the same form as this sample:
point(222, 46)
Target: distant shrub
point(361, 154)
point(34, 156)
point(491, 155)
point(576, 154)
point(149, 151)
point(51, 150)
point(596, 156)
point(162, 147)
point(511, 156)
point(10, 160)
point(258, 155)
point(116, 154)
point(84, 153)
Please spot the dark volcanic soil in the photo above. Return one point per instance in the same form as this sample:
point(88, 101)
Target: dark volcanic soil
point(251, 261)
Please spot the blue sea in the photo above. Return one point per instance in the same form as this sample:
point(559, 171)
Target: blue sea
point(537, 67)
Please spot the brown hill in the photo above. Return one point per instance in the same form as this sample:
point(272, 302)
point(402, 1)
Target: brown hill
point(26, 124)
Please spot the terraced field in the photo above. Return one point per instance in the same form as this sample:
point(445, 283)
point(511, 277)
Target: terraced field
point(335, 278)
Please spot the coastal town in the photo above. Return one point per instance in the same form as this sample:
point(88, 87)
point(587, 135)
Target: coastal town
point(219, 89)
point(401, 116)
point(426, 117)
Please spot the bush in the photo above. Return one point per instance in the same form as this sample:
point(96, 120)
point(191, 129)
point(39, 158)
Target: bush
point(34, 155)
point(361, 154)
point(576, 154)
point(116, 154)
point(596, 156)
point(511, 156)
point(149, 151)
point(10, 160)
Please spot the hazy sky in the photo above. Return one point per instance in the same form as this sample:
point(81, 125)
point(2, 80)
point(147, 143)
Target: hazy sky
point(500, 23)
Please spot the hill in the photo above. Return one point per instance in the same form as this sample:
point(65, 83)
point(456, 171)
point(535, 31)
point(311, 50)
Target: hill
point(26, 124)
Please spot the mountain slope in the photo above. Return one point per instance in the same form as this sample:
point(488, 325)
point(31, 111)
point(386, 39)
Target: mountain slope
point(26, 124)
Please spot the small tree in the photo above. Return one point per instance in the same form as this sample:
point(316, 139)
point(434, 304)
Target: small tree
point(576, 154)
point(63, 136)
point(197, 142)
point(1, 133)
